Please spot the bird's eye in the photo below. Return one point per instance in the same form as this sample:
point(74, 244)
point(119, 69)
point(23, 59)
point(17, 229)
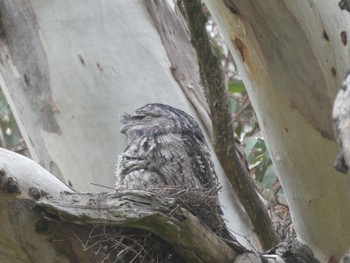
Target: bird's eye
point(138, 117)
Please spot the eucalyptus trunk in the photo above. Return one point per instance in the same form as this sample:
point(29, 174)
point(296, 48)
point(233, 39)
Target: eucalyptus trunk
point(292, 56)
point(69, 69)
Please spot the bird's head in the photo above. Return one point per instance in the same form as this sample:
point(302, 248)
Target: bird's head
point(157, 119)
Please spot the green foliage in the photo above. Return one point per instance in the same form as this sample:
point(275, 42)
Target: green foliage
point(258, 156)
point(260, 161)
point(247, 130)
point(236, 87)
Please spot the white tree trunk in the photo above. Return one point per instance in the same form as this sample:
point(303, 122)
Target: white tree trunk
point(19, 241)
point(293, 55)
point(95, 61)
point(69, 69)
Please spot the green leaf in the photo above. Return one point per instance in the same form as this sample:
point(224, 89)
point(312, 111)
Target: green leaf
point(260, 146)
point(249, 145)
point(236, 87)
point(269, 177)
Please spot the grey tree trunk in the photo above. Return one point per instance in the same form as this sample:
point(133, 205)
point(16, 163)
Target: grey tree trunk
point(293, 56)
point(68, 70)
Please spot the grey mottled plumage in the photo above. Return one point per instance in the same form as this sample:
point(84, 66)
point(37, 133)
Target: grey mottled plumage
point(166, 147)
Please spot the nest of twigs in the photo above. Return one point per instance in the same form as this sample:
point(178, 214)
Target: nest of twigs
point(120, 244)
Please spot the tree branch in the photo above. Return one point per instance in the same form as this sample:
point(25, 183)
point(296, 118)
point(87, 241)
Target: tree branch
point(222, 124)
point(66, 232)
point(143, 210)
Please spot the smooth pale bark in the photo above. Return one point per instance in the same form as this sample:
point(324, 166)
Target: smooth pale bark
point(19, 240)
point(292, 56)
point(70, 68)
point(92, 69)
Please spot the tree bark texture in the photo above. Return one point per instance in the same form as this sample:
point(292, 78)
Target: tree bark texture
point(182, 56)
point(143, 210)
point(176, 39)
point(69, 69)
point(23, 228)
point(21, 181)
point(43, 220)
point(224, 142)
point(91, 70)
point(72, 126)
point(292, 56)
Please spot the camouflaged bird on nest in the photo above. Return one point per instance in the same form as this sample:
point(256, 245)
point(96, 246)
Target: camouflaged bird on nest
point(167, 153)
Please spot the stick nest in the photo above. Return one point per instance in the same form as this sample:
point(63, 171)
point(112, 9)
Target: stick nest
point(120, 244)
